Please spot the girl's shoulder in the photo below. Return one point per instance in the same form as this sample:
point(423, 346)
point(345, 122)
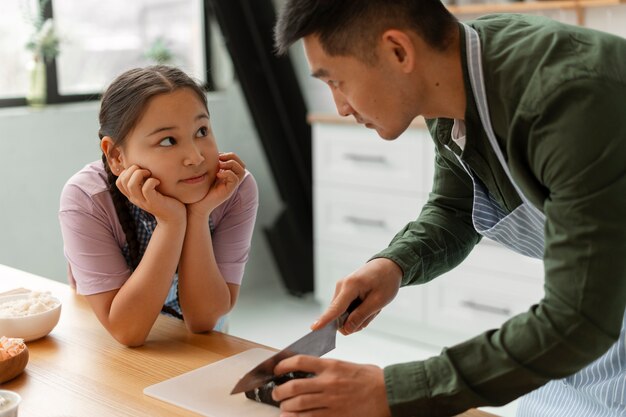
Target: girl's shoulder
point(87, 185)
point(91, 179)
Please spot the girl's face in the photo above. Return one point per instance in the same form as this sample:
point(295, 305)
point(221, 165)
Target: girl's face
point(174, 141)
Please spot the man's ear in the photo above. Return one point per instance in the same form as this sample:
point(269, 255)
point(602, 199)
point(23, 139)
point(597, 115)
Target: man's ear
point(114, 155)
point(399, 47)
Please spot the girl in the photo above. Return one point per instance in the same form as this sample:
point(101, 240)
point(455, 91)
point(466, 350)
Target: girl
point(163, 223)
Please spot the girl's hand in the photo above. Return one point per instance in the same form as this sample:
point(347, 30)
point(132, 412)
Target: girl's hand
point(230, 173)
point(140, 188)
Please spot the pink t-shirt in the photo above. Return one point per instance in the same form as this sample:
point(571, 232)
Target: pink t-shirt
point(93, 237)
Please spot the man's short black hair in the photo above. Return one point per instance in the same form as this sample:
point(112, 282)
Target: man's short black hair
point(352, 27)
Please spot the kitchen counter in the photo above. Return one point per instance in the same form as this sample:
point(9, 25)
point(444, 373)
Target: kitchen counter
point(80, 370)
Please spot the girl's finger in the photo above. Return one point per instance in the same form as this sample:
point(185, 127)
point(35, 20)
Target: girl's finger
point(225, 156)
point(136, 181)
point(233, 166)
point(148, 190)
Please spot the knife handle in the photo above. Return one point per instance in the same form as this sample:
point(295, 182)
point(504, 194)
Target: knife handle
point(354, 304)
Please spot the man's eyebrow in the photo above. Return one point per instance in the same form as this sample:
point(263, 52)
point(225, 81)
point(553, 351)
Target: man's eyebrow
point(320, 73)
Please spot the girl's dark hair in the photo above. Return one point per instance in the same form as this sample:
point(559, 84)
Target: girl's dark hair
point(122, 105)
point(352, 27)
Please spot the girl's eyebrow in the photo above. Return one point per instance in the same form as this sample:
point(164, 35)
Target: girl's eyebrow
point(161, 129)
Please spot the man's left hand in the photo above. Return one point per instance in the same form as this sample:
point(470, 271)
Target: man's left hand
point(338, 389)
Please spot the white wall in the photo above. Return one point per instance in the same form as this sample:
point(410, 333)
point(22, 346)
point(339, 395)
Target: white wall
point(42, 148)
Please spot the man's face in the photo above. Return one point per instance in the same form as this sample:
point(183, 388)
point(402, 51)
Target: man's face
point(371, 92)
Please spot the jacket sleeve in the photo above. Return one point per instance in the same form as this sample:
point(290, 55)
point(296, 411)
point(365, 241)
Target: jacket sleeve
point(443, 234)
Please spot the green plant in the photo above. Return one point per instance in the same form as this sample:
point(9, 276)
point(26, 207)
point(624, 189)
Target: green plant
point(44, 42)
point(159, 52)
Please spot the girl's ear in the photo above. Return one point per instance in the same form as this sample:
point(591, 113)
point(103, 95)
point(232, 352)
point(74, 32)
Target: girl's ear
point(114, 155)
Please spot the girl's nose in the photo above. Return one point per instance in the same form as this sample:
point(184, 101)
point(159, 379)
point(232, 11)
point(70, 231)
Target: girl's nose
point(193, 156)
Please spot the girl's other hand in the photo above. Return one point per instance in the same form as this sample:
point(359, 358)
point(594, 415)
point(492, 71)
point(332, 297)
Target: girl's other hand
point(230, 173)
point(140, 188)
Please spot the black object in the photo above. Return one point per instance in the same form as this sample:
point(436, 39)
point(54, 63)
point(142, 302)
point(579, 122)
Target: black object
point(279, 112)
point(263, 394)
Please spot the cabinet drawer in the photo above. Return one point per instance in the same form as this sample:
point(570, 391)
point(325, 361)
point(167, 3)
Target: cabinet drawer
point(468, 301)
point(362, 218)
point(353, 155)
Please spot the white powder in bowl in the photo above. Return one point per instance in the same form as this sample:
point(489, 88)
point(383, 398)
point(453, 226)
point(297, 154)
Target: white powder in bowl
point(36, 302)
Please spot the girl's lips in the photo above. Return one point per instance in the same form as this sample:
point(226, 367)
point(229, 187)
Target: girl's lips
point(195, 180)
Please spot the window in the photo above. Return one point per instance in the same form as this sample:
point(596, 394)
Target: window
point(99, 40)
point(102, 41)
point(14, 33)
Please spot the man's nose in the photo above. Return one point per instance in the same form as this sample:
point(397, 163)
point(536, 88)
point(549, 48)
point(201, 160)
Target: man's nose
point(343, 107)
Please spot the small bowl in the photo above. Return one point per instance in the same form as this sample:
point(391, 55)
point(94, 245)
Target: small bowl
point(12, 367)
point(9, 409)
point(29, 327)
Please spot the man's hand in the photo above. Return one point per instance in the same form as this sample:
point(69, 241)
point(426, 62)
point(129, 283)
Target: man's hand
point(338, 389)
point(376, 283)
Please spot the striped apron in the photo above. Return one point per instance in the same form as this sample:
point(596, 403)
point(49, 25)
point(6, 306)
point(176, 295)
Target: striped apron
point(599, 390)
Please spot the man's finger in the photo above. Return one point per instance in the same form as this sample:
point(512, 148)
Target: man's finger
point(303, 363)
point(336, 308)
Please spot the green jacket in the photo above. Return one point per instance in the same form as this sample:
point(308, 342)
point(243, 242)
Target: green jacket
point(557, 98)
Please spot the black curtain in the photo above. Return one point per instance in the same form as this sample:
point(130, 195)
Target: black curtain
point(279, 112)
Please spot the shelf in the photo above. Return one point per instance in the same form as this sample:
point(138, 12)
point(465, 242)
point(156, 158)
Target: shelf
point(530, 6)
point(534, 6)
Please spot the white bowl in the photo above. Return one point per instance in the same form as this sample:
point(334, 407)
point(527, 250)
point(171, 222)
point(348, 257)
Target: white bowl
point(29, 327)
point(13, 401)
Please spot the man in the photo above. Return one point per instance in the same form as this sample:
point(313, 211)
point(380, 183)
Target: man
point(528, 117)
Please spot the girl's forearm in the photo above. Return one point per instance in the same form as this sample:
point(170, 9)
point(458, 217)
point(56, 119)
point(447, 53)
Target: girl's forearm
point(138, 303)
point(203, 294)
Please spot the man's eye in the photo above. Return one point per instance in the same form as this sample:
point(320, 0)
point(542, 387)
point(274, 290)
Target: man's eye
point(202, 132)
point(168, 141)
point(333, 83)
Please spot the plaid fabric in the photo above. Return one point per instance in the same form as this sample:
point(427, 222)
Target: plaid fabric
point(146, 223)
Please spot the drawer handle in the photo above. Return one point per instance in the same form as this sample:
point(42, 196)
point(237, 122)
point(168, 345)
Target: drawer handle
point(486, 308)
point(361, 221)
point(372, 159)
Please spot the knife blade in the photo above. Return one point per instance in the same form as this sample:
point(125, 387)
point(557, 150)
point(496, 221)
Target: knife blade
point(315, 343)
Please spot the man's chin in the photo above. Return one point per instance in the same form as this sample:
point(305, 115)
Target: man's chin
point(387, 135)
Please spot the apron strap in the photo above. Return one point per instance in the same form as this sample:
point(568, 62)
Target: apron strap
point(475, 68)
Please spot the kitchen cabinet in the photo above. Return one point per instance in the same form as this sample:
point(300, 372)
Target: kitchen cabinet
point(365, 189)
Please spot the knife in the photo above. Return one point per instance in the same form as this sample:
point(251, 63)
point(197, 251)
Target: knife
point(315, 343)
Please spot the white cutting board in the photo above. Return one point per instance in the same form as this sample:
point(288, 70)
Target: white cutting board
point(206, 390)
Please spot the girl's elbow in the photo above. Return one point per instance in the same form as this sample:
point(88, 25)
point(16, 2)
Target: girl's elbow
point(129, 339)
point(200, 326)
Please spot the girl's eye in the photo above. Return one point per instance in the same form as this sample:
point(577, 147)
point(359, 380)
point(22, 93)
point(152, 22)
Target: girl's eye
point(333, 83)
point(168, 141)
point(202, 132)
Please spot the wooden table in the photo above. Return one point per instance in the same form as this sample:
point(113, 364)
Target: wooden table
point(79, 370)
